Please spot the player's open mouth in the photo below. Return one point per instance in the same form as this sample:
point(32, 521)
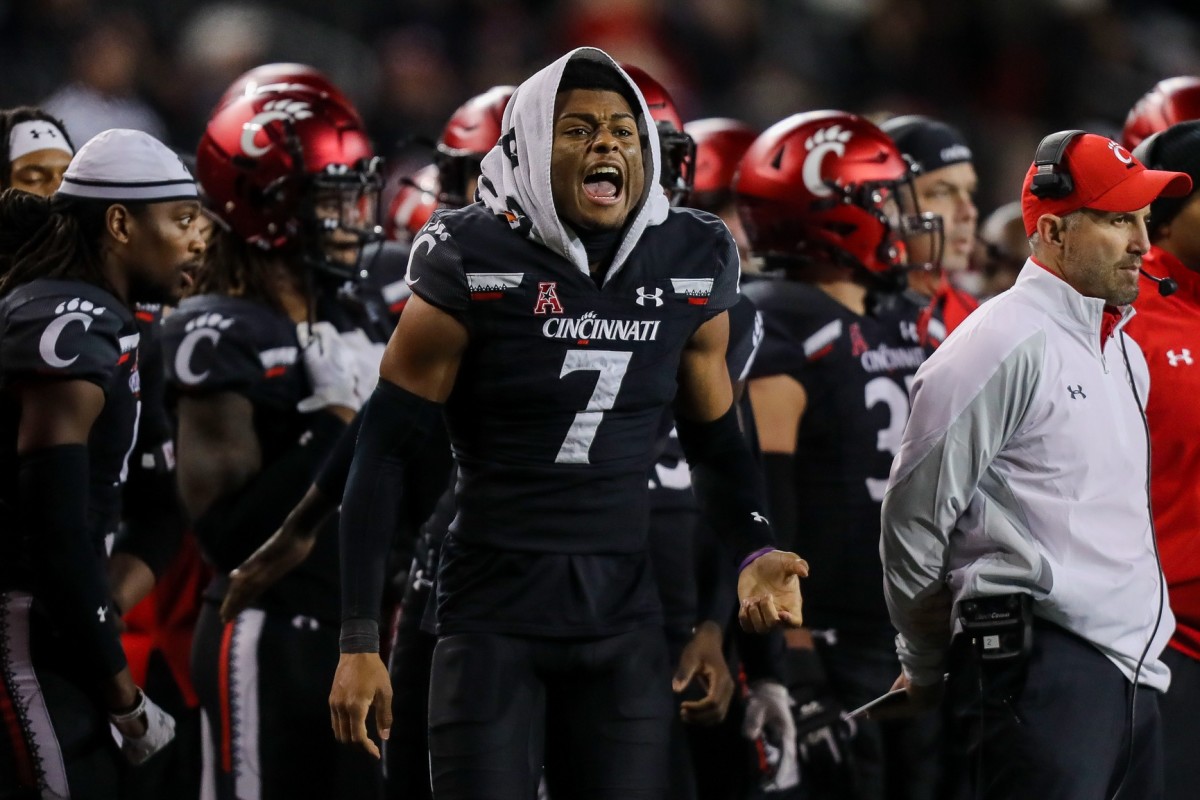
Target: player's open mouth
point(603, 185)
point(187, 276)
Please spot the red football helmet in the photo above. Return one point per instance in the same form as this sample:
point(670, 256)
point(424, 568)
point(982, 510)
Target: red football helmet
point(720, 144)
point(472, 130)
point(274, 77)
point(829, 186)
point(414, 204)
point(291, 167)
point(678, 149)
point(1170, 101)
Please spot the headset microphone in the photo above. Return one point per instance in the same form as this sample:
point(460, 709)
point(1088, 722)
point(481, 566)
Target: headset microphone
point(1166, 286)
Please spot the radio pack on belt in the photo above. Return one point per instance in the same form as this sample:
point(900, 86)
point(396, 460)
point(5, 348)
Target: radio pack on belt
point(1000, 627)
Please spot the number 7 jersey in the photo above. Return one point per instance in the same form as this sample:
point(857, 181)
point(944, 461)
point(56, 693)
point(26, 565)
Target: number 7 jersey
point(558, 399)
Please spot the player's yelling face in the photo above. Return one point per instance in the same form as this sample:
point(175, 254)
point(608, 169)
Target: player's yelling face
point(596, 165)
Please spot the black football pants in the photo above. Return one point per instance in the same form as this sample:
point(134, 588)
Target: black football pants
point(599, 709)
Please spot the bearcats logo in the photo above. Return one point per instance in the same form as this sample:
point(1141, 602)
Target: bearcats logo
point(68, 311)
point(820, 144)
point(206, 327)
point(1121, 153)
point(273, 111)
point(547, 301)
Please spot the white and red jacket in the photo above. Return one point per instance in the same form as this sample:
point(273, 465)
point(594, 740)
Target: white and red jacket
point(1023, 469)
point(1168, 330)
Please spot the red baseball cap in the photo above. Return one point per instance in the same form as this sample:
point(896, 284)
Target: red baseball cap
point(1107, 178)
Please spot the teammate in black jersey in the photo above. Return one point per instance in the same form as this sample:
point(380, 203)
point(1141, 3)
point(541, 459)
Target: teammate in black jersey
point(554, 323)
point(121, 228)
point(821, 197)
point(268, 363)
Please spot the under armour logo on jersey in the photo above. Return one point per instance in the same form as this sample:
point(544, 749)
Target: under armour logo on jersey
point(643, 296)
point(206, 327)
point(908, 330)
point(1184, 356)
point(272, 111)
point(825, 141)
point(68, 311)
point(1076, 392)
point(547, 300)
point(102, 613)
point(757, 517)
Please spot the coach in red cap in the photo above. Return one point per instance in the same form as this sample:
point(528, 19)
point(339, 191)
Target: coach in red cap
point(1017, 543)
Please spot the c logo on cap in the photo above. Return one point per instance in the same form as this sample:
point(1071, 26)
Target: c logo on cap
point(1121, 153)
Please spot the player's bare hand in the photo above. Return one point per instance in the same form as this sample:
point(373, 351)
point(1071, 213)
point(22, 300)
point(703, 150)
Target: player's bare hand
point(360, 684)
point(769, 591)
point(275, 558)
point(703, 660)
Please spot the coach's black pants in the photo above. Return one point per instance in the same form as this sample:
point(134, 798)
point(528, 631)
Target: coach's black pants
point(1181, 727)
point(406, 752)
point(1054, 727)
point(600, 710)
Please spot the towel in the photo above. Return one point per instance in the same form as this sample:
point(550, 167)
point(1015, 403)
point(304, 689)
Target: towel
point(522, 195)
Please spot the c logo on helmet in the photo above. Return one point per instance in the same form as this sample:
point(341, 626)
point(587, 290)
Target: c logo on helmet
point(825, 141)
point(273, 111)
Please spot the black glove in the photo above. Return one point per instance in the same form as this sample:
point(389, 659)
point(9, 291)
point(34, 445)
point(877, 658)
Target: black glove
point(823, 736)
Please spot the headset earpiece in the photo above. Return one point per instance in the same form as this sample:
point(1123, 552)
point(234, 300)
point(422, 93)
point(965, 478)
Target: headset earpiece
point(1052, 180)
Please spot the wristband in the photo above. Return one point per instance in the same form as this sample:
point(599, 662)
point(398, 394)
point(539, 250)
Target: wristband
point(129, 716)
point(760, 552)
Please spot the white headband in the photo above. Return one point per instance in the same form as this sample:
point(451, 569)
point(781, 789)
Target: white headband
point(34, 135)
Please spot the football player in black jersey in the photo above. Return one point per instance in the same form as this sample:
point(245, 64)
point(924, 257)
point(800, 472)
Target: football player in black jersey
point(268, 362)
point(122, 228)
point(553, 324)
point(821, 197)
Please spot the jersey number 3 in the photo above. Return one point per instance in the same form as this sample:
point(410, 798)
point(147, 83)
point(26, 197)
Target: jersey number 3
point(611, 364)
point(888, 392)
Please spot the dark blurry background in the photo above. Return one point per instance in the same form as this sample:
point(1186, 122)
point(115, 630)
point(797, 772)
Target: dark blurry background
point(1006, 71)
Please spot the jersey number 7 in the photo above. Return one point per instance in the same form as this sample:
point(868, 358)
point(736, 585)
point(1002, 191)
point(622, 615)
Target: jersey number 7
point(611, 364)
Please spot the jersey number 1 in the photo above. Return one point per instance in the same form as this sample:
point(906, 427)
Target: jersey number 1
point(611, 364)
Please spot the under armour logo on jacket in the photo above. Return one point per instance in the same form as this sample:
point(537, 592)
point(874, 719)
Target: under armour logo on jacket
point(757, 517)
point(643, 296)
point(1076, 392)
point(102, 613)
point(1184, 356)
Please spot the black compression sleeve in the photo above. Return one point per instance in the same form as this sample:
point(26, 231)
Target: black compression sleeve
point(72, 581)
point(716, 584)
point(396, 423)
point(727, 481)
point(154, 518)
point(781, 498)
point(331, 480)
point(236, 524)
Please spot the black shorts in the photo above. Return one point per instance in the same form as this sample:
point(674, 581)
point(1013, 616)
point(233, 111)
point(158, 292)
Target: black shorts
point(55, 740)
point(263, 682)
point(596, 713)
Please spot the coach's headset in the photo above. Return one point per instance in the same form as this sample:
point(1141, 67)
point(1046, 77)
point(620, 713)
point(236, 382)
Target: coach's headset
point(1052, 181)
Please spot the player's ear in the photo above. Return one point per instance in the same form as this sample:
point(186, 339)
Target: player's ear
point(116, 222)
